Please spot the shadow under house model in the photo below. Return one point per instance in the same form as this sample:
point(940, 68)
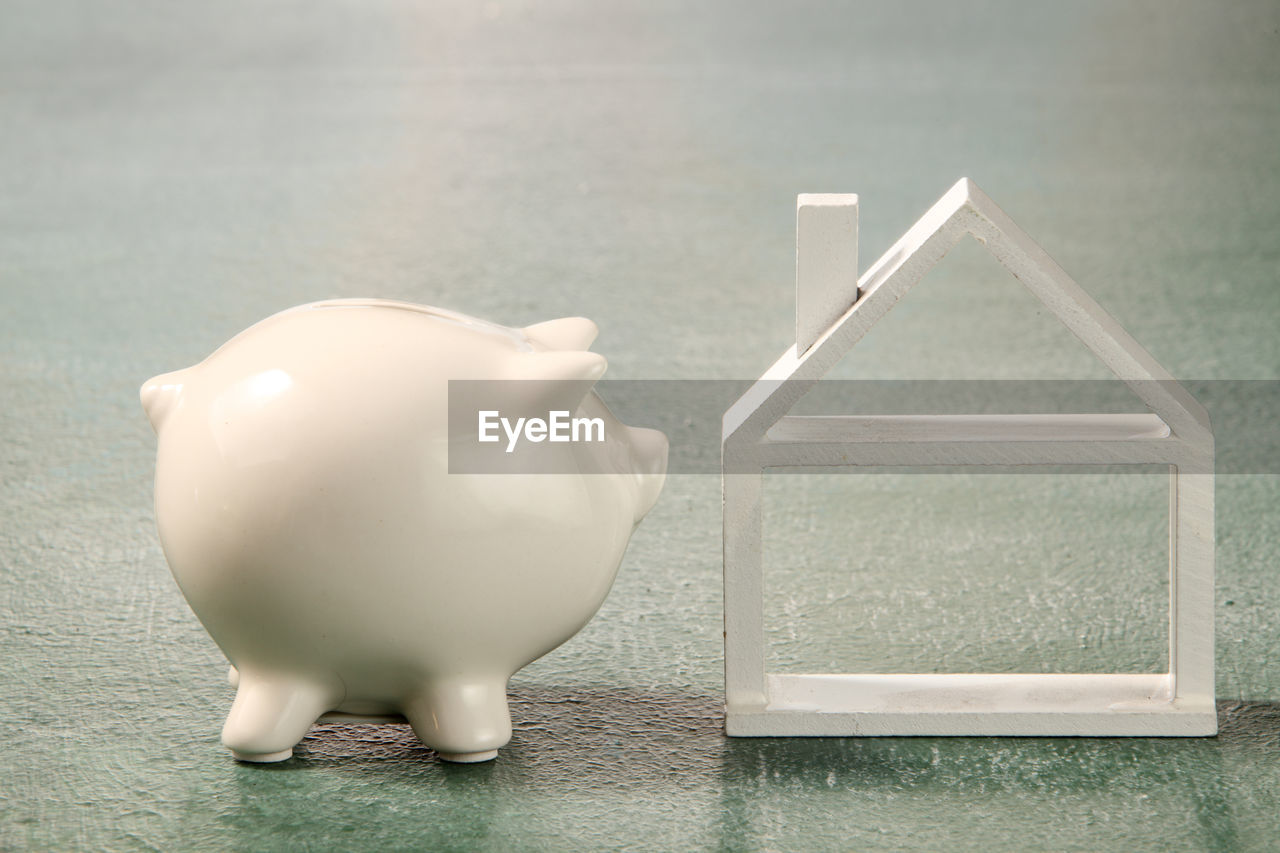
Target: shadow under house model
point(834, 309)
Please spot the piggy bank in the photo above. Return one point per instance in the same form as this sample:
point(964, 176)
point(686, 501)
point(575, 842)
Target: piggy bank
point(306, 507)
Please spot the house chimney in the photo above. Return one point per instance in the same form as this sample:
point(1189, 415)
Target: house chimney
point(826, 262)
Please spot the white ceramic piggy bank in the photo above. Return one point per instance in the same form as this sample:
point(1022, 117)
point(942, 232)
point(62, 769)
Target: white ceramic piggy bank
point(306, 508)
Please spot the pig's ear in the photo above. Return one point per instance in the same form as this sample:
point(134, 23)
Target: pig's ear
point(567, 333)
point(553, 380)
point(576, 366)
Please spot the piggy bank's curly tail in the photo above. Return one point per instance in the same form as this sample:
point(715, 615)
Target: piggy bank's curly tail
point(160, 395)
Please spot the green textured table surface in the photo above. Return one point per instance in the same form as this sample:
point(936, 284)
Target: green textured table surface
point(171, 173)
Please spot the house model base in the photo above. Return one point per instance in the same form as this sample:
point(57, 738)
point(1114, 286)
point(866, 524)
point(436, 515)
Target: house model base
point(972, 704)
point(834, 310)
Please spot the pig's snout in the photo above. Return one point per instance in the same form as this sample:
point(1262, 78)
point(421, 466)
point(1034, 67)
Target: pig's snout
point(649, 466)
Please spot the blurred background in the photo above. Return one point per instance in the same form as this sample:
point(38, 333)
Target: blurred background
point(171, 173)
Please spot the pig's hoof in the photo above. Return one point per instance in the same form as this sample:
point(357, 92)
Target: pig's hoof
point(468, 757)
point(271, 714)
point(263, 757)
point(463, 721)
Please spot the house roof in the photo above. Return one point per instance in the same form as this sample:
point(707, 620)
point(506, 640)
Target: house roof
point(965, 209)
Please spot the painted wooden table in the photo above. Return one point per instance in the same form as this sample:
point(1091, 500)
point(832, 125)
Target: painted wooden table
point(168, 175)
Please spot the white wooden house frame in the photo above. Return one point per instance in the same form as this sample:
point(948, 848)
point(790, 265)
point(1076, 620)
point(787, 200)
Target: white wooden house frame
point(834, 309)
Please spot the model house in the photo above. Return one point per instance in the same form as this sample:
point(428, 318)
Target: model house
point(834, 309)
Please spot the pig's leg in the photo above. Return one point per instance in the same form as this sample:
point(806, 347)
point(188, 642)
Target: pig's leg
point(464, 720)
point(272, 713)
